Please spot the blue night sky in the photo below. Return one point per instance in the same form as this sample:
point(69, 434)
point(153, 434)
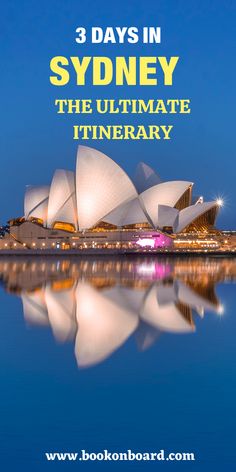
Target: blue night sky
point(35, 140)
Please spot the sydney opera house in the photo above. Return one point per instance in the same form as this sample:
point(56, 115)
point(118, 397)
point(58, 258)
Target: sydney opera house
point(100, 207)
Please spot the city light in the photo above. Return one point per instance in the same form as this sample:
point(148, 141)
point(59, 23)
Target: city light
point(221, 309)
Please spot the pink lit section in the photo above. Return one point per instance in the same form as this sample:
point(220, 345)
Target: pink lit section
point(160, 241)
point(146, 242)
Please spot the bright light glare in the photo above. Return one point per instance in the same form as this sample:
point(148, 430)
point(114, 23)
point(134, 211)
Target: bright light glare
point(220, 202)
point(146, 269)
point(221, 309)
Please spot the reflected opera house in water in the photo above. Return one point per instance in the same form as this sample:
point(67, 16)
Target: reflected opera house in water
point(98, 304)
point(100, 208)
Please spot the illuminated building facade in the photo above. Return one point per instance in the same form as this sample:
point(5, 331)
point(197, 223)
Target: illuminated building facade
point(99, 206)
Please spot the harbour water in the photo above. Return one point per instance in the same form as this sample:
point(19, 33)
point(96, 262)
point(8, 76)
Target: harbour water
point(117, 353)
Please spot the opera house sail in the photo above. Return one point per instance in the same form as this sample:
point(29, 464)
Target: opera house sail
point(62, 201)
point(99, 207)
point(101, 186)
point(36, 203)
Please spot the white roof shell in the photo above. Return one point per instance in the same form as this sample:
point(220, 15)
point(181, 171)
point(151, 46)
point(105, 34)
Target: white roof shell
point(62, 199)
point(36, 202)
point(145, 177)
point(166, 193)
point(101, 185)
point(167, 216)
point(197, 199)
point(189, 214)
point(127, 214)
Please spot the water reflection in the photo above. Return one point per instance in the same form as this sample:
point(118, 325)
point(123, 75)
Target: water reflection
point(98, 304)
